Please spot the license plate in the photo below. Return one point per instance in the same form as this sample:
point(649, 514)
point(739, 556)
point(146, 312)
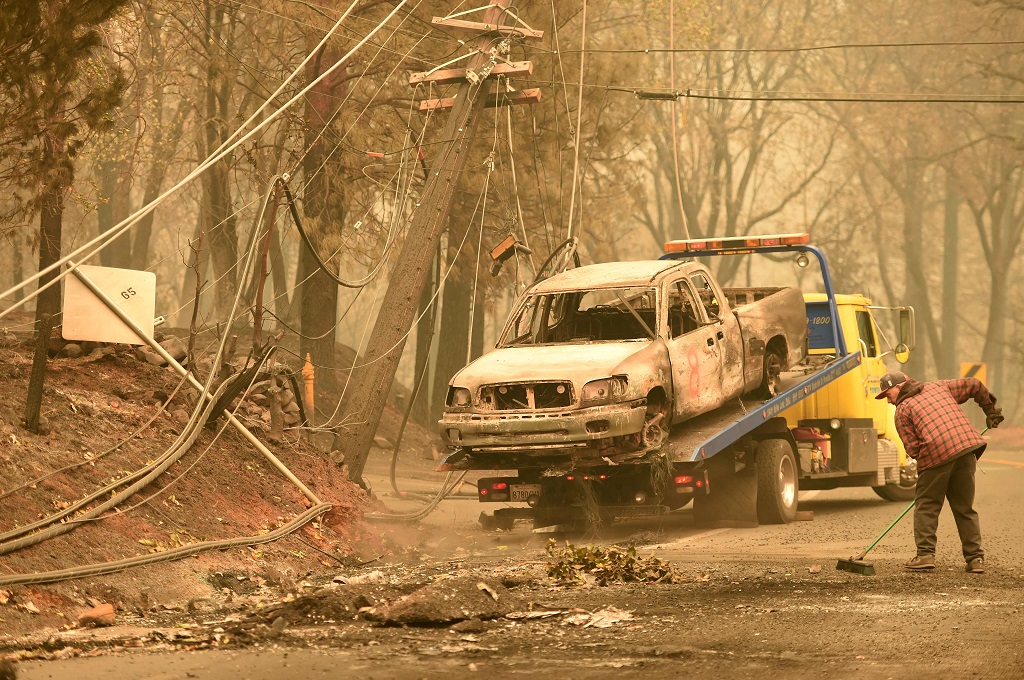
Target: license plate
point(522, 492)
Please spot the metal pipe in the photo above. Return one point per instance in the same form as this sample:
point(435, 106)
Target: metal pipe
point(171, 361)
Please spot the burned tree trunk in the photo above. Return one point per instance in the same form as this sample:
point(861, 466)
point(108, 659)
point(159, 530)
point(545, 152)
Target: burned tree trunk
point(51, 217)
point(323, 210)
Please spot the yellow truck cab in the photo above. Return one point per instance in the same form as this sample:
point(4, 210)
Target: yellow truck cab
point(849, 402)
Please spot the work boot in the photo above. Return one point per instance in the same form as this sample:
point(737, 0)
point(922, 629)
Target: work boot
point(921, 563)
point(976, 566)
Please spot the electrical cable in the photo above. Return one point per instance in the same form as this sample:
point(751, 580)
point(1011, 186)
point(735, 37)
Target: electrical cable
point(811, 48)
point(570, 230)
point(655, 94)
point(515, 187)
point(140, 481)
point(675, 139)
point(251, 380)
point(102, 568)
point(99, 456)
point(570, 243)
point(316, 256)
point(447, 488)
point(432, 299)
point(190, 426)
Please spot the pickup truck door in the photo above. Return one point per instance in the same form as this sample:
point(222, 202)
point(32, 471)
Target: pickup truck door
point(693, 353)
point(725, 330)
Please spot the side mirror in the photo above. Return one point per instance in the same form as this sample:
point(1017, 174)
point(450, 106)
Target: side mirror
point(908, 338)
point(902, 353)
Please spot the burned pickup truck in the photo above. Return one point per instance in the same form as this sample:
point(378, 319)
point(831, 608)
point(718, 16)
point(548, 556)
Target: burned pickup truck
point(600, 361)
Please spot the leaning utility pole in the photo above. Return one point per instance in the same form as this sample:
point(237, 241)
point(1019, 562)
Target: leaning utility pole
point(376, 371)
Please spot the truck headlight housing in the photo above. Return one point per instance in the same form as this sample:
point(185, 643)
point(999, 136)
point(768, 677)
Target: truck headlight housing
point(459, 397)
point(604, 391)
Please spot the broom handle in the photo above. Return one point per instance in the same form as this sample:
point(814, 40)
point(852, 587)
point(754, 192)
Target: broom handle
point(882, 535)
point(896, 521)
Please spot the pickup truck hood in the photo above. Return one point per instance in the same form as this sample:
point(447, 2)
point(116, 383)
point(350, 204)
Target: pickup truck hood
point(547, 362)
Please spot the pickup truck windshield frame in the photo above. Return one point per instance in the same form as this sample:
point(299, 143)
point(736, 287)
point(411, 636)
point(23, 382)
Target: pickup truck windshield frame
point(619, 314)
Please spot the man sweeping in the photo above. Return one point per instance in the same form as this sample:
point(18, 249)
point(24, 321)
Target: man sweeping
point(937, 434)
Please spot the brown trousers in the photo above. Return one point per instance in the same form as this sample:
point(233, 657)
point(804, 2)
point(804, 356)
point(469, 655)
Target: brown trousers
point(954, 481)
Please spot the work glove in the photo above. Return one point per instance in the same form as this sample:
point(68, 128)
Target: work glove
point(993, 419)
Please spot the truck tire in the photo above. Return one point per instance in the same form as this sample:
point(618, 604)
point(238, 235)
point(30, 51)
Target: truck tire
point(896, 493)
point(777, 482)
point(770, 373)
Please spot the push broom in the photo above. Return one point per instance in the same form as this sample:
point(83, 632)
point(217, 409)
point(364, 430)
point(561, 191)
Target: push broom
point(856, 564)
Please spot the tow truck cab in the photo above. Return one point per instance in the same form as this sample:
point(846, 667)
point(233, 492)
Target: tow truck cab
point(829, 424)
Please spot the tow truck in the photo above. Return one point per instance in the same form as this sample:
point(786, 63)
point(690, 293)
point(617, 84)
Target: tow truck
point(744, 463)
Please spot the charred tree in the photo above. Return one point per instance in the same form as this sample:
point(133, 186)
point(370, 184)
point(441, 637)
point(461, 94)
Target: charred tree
point(51, 215)
point(324, 211)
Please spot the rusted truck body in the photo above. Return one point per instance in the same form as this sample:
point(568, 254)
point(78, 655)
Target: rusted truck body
point(600, 361)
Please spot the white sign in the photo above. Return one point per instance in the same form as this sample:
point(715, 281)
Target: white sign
point(86, 317)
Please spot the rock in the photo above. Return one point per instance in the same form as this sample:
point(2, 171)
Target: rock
point(101, 615)
point(291, 418)
point(469, 626)
point(73, 351)
point(55, 345)
point(278, 626)
point(155, 359)
point(176, 347)
point(368, 577)
point(44, 425)
point(180, 416)
point(382, 442)
point(259, 399)
point(290, 407)
point(450, 601)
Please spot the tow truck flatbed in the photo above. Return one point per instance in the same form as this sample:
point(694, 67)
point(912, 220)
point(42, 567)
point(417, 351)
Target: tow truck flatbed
point(708, 434)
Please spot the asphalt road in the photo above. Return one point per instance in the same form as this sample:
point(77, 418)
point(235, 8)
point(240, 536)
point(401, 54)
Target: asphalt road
point(767, 602)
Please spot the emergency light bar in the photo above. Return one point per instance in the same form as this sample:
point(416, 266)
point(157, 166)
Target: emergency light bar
point(745, 244)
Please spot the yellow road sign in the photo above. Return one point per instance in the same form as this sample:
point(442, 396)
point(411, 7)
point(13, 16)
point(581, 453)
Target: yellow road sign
point(973, 370)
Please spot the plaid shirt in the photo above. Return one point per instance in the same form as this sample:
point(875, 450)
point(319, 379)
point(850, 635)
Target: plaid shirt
point(931, 423)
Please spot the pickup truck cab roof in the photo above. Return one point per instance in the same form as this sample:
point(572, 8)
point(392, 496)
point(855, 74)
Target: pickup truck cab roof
point(608, 275)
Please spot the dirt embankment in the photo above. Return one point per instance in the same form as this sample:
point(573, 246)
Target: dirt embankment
point(108, 414)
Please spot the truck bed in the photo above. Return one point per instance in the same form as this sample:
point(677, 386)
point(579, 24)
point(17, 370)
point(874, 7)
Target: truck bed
point(710, 433)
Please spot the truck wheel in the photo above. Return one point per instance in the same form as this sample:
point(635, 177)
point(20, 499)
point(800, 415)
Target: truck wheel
point(777, 482)
point(771, 373)
point(896, 493)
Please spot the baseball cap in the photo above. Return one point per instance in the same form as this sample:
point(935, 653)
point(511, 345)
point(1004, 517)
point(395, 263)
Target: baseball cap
point(889, 380)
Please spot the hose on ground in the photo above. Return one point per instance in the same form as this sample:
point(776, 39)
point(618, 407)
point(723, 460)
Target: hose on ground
point(101, 568)
point(188, 435)
point(99, 456)
point(151, 472)
point(446, 489)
